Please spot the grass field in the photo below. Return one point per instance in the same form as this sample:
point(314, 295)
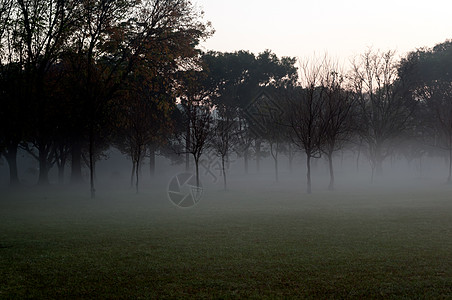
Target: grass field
point(238, 244)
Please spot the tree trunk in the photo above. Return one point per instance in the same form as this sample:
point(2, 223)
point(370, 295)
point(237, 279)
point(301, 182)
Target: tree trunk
point(61, 173)
point(91, 161)
point(197, 171)
point(290, 158)
point(276, 169)
point(379, 167)
point(342, 158)
point(373, 173)
point(61, 158)
point(43, 168)
point(245, 158)
point(308, 173)
point(76, 164)
point(133, 173)
point(187, 162)
point(152, 161)
point(357, 158)
point(274, 153)
point(330, 164)
point(224, 173)
point(187, 149)
point(378, 161)
point(258, 155)
point(137, 171)
point(11, 158)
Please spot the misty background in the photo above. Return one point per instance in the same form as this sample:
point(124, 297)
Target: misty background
point(130, 101)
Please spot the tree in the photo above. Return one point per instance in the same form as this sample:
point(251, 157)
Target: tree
point(144, 118)
point(12, 127)
point(304, 114)
point(33, 34)
point(426, 73)
point(242, 76)
point(223, 141)
point(197, 108)
point(270, 72)
point(269, 115)
point(225, 130)
point(384, 114)
point(96, 55)
point(116, 37)
point(238, 77)
point(336, 113)
point(278, 74)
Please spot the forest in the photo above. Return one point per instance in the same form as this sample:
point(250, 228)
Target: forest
point(78, 78)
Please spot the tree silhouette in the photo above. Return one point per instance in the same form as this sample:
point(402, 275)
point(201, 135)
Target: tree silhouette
point(304, 114)
point(337, 113)
point(426, 73)
point(384, 114)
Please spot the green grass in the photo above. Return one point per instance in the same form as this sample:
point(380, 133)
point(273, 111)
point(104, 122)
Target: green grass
point(238, 244)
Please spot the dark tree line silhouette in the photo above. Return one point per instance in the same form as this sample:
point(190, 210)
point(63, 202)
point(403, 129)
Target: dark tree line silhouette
point(79, 77)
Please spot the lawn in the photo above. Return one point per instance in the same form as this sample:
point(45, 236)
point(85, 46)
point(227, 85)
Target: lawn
point(238, 244)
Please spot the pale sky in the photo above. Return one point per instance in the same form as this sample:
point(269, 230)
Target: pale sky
point(340, 28)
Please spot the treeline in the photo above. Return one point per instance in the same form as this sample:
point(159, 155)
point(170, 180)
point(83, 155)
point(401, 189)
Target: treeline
point(79, 77)
point(382, 107)
point(71, 71)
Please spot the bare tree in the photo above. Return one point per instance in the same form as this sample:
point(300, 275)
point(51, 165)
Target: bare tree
point(197, 107)
point(225, 130)
point(337, 112)
point(383, 113)
point(304, 111)
point(244, 140)
point(137, 131)
point(200, 119)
